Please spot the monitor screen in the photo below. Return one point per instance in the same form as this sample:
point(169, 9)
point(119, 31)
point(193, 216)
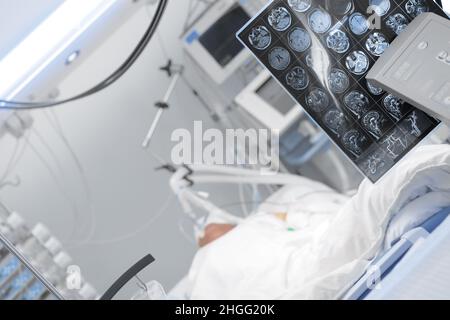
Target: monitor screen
point(220, 40)
point(272, 93)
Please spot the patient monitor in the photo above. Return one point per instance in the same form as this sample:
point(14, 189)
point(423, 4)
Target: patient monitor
point(269, 103)
point(416, 66)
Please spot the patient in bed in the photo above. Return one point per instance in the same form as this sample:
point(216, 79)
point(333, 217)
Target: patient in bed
point(317, 242)
point(213, 232)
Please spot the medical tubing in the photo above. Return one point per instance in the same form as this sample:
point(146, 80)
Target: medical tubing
point(224, 170)
point(194, 199)
point(281, 179)
point(127, 276)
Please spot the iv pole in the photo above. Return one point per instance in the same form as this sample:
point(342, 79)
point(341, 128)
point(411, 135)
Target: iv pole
point(164, 104)
point(177, 71)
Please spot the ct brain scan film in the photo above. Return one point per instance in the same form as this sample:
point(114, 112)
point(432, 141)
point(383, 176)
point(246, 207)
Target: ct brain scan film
point(320, 52)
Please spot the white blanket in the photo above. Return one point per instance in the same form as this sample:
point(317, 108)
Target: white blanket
point(334, 237)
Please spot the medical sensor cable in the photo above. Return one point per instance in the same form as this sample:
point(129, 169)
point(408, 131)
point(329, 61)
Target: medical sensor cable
point(142, 228)
point(55, 123)
point(58, 184)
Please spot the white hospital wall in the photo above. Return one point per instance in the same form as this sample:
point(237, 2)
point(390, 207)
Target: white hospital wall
point(106, 131)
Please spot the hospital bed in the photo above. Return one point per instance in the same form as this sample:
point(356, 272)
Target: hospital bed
point(385, 272)
point(417, 266)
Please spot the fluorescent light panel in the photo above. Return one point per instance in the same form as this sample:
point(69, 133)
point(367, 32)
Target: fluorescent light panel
point(47, 42)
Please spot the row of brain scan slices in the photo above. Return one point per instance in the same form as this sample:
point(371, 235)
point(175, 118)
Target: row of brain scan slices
point(381, 7)
point(298, 78)
point(320, 21)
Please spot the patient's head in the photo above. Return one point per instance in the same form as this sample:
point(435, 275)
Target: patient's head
point(213, 232)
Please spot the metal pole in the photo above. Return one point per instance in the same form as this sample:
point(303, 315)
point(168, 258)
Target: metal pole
point(166, 98)
point(30, 267)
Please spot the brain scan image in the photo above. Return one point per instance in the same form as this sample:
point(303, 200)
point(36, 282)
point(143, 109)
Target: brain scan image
point(381, 7)
point(395, 143)
point(412, 120)
point(340, 7)
point(357, 103)
point(318, 100)
point(376, 91)
point(299, 39)
point(375, 163)
point(300, 5)
point(338, 81)
point(416, 7)
point(357, 62)
point(394, 106)
point(297, 78)
point(280, 19)
point(319, 21)
point(374, 122)
point(415, 124)
point(358, 23)
point(279, 58)
point(260, 37)
point(316, 60)
point(397, 23)
point(354, 142)
point(335, 120)
point(338, 41)
point(309, 61)
point(377, 43)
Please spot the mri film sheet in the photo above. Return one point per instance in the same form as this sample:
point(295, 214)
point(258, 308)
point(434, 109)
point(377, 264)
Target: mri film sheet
point(320, 52)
